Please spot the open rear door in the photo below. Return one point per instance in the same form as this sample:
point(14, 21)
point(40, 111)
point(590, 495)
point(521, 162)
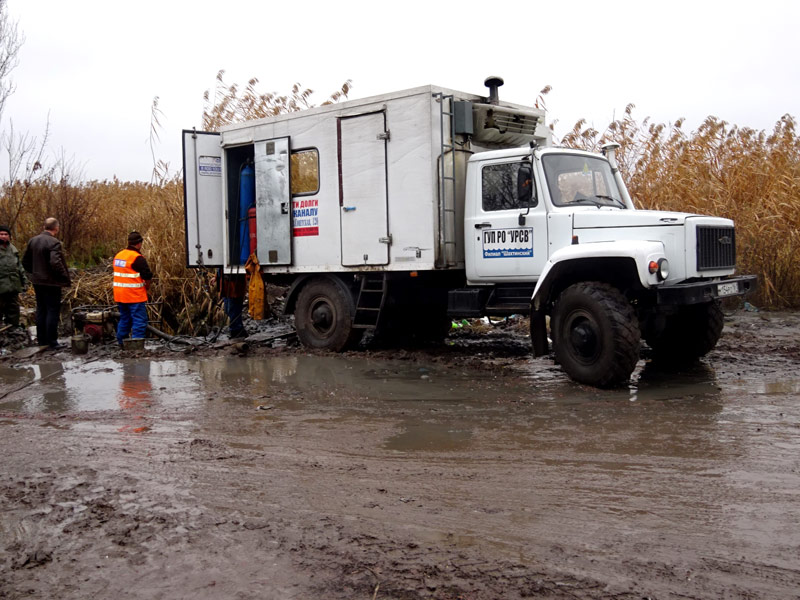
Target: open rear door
point(202, 199)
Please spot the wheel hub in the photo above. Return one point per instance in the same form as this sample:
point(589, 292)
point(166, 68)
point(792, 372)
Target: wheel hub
point(583, 338)
point(322, 316)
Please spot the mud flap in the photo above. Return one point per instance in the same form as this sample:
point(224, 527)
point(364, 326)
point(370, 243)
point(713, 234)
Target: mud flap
point(539, 333)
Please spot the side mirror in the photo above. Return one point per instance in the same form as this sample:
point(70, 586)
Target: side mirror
point(525, 185)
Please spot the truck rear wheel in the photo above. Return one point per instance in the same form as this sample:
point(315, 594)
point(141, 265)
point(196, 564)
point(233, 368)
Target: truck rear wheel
point(687, 335)
point(595, 334)
point(323, 316)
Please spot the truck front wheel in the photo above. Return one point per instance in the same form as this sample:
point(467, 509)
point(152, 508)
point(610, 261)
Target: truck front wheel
point(323, 316)
point(595, 334)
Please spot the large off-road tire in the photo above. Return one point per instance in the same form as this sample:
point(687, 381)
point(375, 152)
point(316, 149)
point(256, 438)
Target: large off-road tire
point(323, 316)
point(595, 334)
point(687, 335)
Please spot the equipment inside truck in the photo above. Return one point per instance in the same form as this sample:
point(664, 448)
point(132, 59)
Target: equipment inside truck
point(240, 192)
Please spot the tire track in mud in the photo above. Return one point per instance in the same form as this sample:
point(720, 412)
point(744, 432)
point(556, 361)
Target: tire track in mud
point(123, 522)
point(311, 500)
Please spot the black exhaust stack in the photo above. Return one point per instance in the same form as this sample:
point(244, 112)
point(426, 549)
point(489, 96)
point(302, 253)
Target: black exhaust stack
point(493, 83)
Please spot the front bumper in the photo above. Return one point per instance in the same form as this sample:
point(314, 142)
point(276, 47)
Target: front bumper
point(698, 292)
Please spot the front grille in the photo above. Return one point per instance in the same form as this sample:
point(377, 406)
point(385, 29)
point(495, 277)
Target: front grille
point(716, 248)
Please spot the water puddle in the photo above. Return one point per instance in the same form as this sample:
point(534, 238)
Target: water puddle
point(77, 386)
point(437, 408)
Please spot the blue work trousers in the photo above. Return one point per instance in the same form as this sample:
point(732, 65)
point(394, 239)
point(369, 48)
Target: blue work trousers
point(132, 319)
point(233, 308)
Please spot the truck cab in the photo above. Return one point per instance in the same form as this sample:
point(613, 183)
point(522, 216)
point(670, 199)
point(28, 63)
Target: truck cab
point(559, 224)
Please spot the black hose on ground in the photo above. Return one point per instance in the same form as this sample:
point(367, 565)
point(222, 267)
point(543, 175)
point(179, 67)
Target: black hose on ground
point(158, 333)
point(177, 339)
point(168, 337)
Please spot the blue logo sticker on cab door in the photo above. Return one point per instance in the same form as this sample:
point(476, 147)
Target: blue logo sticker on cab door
point(508, 243)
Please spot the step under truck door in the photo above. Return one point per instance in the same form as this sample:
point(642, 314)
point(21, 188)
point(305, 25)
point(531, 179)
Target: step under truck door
point(203, 206)
point(362, 189)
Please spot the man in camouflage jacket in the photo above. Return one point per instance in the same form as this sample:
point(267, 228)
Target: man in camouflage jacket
point(12, 279)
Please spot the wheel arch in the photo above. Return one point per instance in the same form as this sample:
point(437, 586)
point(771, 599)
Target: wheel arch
point(619, 271)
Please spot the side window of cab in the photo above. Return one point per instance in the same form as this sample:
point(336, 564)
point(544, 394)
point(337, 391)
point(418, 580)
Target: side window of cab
point(508, 186)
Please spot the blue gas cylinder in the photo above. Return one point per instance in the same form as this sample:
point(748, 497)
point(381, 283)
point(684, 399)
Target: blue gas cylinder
point(247, 199)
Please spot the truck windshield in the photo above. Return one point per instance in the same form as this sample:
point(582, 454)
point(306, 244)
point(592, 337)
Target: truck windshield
point(582, 180)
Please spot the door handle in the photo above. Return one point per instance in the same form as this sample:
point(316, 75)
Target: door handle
point(348, 208)
point(482, 225)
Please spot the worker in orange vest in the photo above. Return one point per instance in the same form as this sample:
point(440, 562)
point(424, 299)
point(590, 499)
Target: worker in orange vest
point(132, 277)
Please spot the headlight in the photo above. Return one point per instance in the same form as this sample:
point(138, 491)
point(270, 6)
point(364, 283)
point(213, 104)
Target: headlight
point(660, 268)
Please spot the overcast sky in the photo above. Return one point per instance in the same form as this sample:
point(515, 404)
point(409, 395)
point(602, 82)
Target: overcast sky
point(95, 66)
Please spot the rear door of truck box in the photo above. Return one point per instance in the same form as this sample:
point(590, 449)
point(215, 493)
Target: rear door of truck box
point(202, 199)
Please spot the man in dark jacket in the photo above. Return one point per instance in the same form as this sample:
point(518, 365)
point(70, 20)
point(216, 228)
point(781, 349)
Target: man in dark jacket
point(12, 279)
point(45, 262)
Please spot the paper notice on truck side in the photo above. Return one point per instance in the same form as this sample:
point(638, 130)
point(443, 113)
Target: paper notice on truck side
point(508, 243)
point(209, 166)
point(305, 217)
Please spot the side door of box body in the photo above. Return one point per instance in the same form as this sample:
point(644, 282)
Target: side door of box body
point(273, 201)
point(363, 196)
point(203, 203)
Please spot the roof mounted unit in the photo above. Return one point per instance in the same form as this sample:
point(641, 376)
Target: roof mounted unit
point(505, 127)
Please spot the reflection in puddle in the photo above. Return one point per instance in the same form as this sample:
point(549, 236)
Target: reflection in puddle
point(247, 379)
point(134, 396)
point(75, 386)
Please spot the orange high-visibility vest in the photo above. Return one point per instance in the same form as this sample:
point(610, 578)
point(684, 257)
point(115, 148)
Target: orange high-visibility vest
point(128, 284)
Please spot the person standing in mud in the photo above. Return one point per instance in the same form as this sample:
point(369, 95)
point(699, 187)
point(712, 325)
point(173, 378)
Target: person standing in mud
point(12, 279)
point(44, 261)
point(232, 289)
point(132, 277)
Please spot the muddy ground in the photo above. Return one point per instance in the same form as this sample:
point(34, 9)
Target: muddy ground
point(467, 470)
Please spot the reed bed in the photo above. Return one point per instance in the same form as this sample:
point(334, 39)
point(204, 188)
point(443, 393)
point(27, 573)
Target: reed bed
point(750, 176)
point(109, 210)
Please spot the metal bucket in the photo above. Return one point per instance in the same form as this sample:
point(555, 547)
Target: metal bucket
point(80, 344)
point(133, 344)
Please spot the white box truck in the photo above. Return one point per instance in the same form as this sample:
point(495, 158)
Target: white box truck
point(402, 211)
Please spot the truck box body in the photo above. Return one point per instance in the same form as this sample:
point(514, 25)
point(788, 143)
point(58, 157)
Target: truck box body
point(381, 191)
point(399, 212)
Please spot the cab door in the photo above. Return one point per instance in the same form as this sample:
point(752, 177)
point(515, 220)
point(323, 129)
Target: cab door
point(203, 204)
point(363, 194)
point(507, 231)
